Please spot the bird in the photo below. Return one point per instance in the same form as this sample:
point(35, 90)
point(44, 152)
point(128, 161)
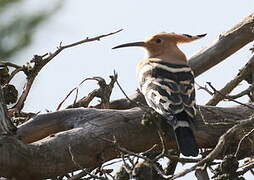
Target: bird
point(167, 83)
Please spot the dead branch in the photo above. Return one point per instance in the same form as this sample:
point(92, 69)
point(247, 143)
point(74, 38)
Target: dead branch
point(244, 72)
point(225, 45)
point(38, 62)
point(248, 92)
point(84, 130)
point(126, 103)
point(10, 64)
point(6, 126)
point(247, 135)
point(103, 92)
point(199, 87)
point(228, 97)
point(246, 169)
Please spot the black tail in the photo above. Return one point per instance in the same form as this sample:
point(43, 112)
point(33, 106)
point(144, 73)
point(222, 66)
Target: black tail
point(184, 135)
point(186, 141)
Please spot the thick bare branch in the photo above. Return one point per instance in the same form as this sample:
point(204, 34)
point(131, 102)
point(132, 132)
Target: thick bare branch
point(85, 131)
point(227, 43)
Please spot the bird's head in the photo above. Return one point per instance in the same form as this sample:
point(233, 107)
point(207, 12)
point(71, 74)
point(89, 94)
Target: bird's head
point(163, 44)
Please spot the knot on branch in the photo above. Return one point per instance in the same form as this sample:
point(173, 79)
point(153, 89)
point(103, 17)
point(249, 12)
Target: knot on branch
point(103, 92)
point(33, 67)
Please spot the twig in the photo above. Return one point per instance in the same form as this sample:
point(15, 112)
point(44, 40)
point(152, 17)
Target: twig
point(97, 38)
point(10, 64)
point(246, 169)
point(103, 92)
point(225, 122)
point(79, 166)
point(60, 48)
point(227, 97)
point(239, 144)
point(243, 93)
point(41, 61)
point(244, 72)
point(13, 73)
point(124, 150)
point(76, 96)
point(126, 96)
point(153, 161)
point(204, 88)
point(145, 108)
point(73, 158)
point(163, 143)
point(148, 160)
point(150, 150)
point(61, 103)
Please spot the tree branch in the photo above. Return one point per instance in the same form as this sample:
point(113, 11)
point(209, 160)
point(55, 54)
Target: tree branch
point(244, 72)
point(40, 62)
point(247, 91)
point(227, 43)
point(85, 131)
point(6, 126)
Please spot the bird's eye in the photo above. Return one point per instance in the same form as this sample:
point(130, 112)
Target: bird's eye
point(158, 41)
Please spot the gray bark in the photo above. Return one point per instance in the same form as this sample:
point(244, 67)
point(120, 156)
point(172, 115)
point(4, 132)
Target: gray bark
point(86, 135)
point(6, 126)
point(226, 44)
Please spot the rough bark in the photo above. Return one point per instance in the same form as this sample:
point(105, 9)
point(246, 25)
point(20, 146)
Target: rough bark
point(226, 44)
point(6, 126)
point(86, 135)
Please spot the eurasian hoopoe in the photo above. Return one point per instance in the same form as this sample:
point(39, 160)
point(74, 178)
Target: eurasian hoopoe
point(167, 83)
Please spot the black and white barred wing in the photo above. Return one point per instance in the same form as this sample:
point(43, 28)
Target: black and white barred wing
point(168, 88)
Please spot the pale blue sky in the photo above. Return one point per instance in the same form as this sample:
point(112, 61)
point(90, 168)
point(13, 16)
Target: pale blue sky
point(79, 19)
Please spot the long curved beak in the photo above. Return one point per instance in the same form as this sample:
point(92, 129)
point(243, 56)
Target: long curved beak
point(142, 44)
